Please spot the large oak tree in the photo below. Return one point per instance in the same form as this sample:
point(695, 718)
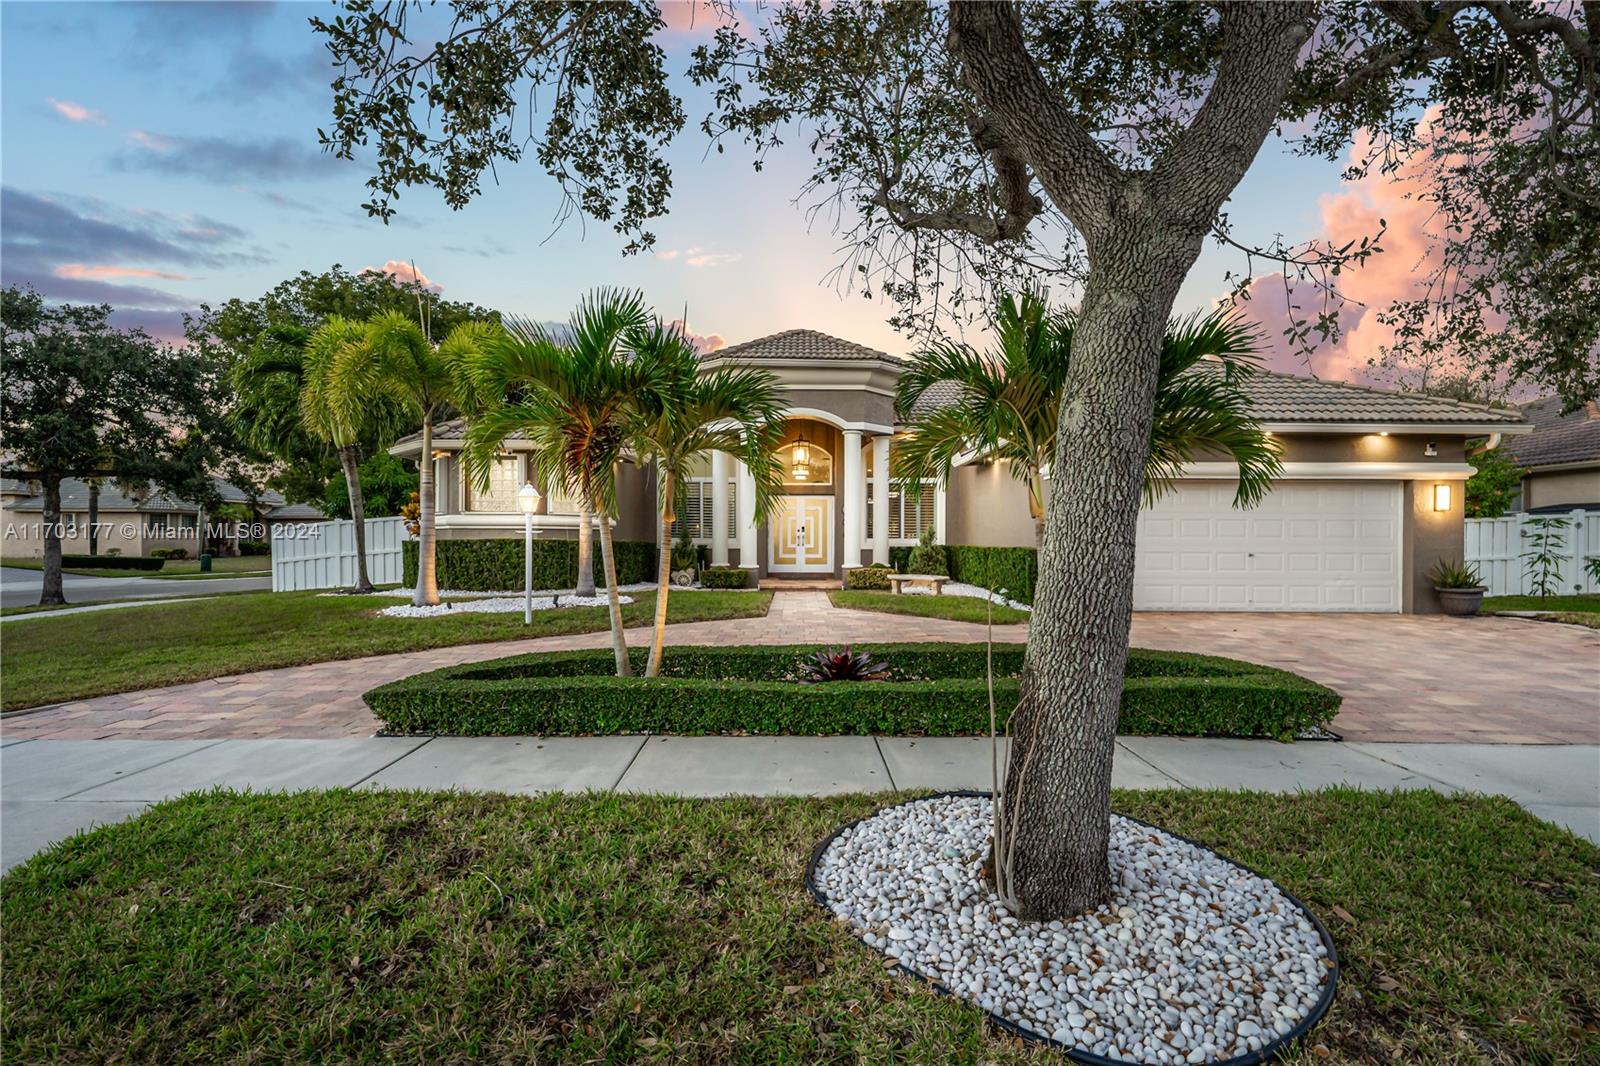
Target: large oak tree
point(970, 144)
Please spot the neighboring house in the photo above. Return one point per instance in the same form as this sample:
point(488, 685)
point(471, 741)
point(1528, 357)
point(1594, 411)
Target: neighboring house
point(1371, 497)
point(1561, 456)
point(137, 523)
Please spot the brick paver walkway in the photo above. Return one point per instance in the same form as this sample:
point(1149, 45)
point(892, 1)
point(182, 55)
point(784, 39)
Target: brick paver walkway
point(1403, 677)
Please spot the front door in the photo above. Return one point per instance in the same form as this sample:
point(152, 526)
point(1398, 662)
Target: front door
point(802, 535)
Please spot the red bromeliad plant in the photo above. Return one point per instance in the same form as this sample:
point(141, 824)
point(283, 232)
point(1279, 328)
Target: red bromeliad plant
point(841, 664)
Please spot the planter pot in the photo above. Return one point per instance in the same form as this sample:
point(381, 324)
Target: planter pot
point(685, 578)
point(1461, 602)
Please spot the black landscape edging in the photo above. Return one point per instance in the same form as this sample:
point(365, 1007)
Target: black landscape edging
point(1089, 1058)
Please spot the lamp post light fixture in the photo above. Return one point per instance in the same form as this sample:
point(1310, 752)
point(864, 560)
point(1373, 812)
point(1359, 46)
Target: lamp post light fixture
point(527, 502)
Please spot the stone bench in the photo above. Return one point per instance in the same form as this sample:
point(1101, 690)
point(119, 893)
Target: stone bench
point(897, 582)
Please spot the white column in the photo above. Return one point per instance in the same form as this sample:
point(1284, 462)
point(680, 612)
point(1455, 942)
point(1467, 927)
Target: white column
point(938, 517)
point(744, 504)
point(441, 474)
point(719, 508)
point(855, 497)
point(880, 499)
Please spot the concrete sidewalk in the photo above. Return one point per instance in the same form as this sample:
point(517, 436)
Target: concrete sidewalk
point(51, 789)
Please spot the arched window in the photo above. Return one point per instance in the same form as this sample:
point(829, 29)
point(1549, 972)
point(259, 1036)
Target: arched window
point(806, 462)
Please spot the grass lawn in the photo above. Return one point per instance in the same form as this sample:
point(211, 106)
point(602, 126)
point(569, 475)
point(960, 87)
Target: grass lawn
point(92, 654)
point(439, 927)
point(1585, 604)
point(955, 608)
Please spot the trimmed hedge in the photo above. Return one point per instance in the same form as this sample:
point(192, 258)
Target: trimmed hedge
point(874, 577)
point(495, 565)
point(1014, 569)
point(934, 689)
point(111, 562)
point(724, 577)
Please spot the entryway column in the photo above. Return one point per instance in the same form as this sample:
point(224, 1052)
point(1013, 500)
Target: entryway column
point(744, 505)
point(880, 499)
point(855, 498)
point(719, 508)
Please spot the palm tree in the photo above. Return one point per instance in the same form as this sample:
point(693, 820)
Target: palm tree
point(571, 400)
point(326, 415)
point(686, 414)
point(397, 360)
point(1006, 403)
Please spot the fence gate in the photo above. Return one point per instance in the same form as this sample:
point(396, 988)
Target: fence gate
point(1498, 547)
point(322, 555)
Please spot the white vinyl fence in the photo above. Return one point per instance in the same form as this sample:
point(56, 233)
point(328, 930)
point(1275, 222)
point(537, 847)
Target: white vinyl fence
point(322, 555)
point(1497, 546)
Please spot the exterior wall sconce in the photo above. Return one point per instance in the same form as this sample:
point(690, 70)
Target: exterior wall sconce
point(1441, 497)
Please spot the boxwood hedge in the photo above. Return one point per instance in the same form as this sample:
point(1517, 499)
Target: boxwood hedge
point(935, 689)
point(495, 564)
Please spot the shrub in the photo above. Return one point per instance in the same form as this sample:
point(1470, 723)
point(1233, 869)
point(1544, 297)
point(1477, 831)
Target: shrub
point(899, 558)
point(1014, 569)
point(112, 562)
point(725, 577)
point(1451, 575)
point(168, 553)
point(928, 557)
point(254, 547)
point(841, 664)
point(933, 689)
point(493, 565)
point(872, 577)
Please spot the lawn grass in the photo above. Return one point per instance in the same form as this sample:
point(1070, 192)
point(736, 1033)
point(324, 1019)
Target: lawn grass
point(1588, 603)
point(441, 927)
point(954, 608)
point(50, 660)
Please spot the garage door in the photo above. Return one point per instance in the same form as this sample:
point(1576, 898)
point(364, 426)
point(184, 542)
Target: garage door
point(1309, 546)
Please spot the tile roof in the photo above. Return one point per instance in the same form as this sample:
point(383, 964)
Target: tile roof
point(800, 344)
point(1289, 398)
point(295, 511)
point(75, 497)
point(1558, 438)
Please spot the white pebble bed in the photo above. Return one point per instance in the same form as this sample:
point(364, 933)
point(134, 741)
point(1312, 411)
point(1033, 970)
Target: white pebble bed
point(957, 588)
point(1194, 960)
point(565, 594)
point(498, 605)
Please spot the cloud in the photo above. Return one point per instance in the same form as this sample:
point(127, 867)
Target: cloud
point(222, 159)
point(698, 257)
point(697, 18)
point(75, 112)
point(704, 343)
point(84, 272)
point(404, 274)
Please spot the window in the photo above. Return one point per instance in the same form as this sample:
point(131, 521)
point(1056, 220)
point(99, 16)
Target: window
point(694, 509)
point(505, 478)
point(908, 516)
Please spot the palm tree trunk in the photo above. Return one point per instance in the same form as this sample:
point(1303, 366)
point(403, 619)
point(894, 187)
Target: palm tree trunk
point(658, 639)
point(358, 515)
point(427, 593)
point(585, 583)
point(94, 516)
point(608, 556)
point(51, 593)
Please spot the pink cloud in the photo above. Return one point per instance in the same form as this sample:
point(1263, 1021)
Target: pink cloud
point(75, 112)
point(697, 18)
point(405, 274)
point(1369, 288)
point(84, 272)
point(704, 343)
point(153, 141)
point(698, 257)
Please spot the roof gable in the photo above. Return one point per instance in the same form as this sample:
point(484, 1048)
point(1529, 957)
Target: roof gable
point(803, 345)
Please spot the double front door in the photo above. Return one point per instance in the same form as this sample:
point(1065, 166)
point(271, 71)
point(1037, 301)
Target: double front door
point(801, 535)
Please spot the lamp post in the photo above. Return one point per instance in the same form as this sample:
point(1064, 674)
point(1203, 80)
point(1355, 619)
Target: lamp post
point(527, 500)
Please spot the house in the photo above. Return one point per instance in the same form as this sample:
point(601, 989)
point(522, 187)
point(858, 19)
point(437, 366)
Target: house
point(1371, 496)
point(1561, 457)
point(133, 523)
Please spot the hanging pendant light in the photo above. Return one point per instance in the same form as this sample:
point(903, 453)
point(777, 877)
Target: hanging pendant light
point(801, 454)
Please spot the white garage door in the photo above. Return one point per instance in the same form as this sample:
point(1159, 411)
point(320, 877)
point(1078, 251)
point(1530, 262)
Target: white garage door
point(1309, 546)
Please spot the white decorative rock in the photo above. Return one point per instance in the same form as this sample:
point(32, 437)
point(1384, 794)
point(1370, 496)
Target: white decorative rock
point(1195, 959)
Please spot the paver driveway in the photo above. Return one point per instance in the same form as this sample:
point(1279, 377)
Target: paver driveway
point(1403, 677)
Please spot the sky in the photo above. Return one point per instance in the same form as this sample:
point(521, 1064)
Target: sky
point(157, 156)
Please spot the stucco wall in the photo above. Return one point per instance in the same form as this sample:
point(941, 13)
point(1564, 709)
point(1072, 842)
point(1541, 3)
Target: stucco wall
point(1427, 536)
point(1561, 488)
point(986, 505)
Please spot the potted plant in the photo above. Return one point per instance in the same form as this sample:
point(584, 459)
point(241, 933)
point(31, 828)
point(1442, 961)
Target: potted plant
point(1459, 587)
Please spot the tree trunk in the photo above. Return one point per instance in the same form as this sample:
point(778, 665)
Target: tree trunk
point(427, 593)
point(658, 639)
point(608, 555)
point(358, 515)
point(51, 593)
point(94, 516)
point(585, 584)
point(1058, 789)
